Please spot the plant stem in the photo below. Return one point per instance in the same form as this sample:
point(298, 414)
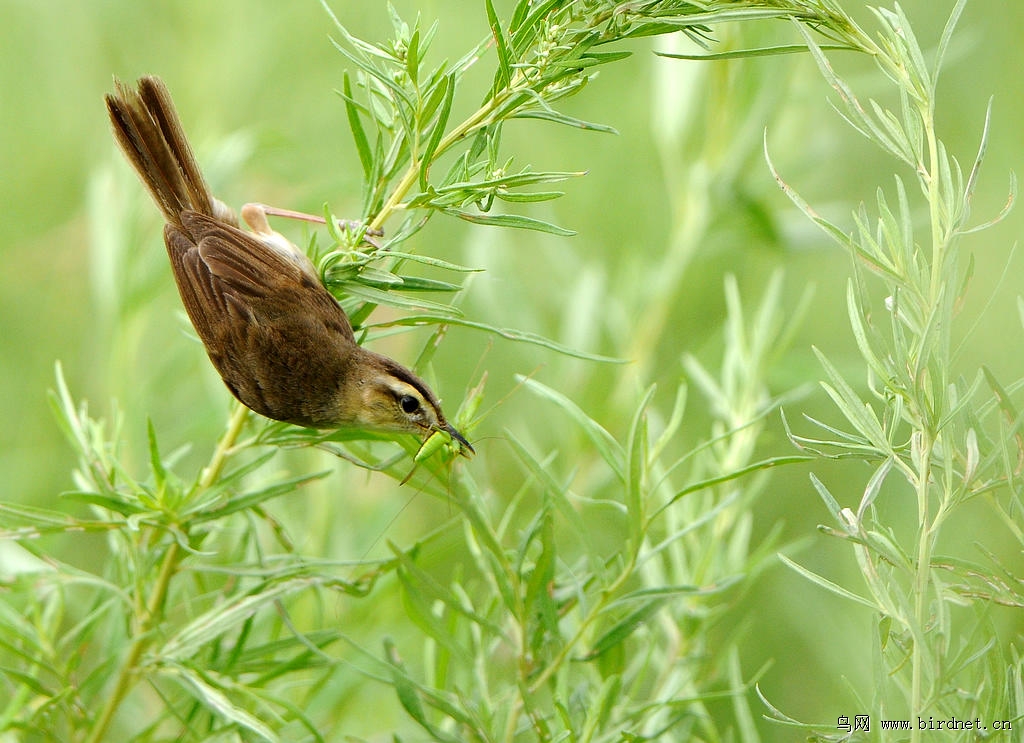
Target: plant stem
point(145, 625)
point(158, 596)
point(212, 471)
point(921, 582)
point(927, 431)
point(412, 173)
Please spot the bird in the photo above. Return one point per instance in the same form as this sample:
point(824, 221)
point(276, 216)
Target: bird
point(280, 341)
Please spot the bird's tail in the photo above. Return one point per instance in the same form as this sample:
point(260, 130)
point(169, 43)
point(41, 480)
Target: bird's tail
point(148, 131)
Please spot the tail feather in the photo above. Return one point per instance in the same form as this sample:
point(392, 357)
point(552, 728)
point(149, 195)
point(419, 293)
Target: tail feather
point(148, 131)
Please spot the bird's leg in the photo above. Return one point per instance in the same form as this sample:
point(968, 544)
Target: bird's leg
point(255, 215)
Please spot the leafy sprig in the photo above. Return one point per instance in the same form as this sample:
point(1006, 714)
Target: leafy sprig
point(921, 423)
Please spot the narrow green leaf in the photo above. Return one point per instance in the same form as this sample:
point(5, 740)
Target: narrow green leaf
point(407, 693)
point(527, 29)
point(429, 261)
point(485, 544)
point(155, 461)
point(355, 125)
point(591, 59)
point(1002, 396)
point(67, 413)
point(726, 14)
point(903, 35)
point(605, 702)
point(625, 627)
point(520, 336)
point(29, 680)
point(433, 97)
point(745, 726)
point(972, 179)
point(1011, 199)
point(854, 114)
point(256, 498)
point(511, 180)
point(609, 449)
point(674, 422)
point(767, 51)
point(677, 591)
point(421, 284)
point(374, 61)
point(526, 198)
point(874, 486)
point(511, 220)
point(226, 484)
point(947, 34)
point(636, 458)
point(235, 476)
point(409, 696)
point(830, 501)
point(117, 505)
point(892, 132)
point(913, 128)
point(412, 57)
point(519, 14)
point(28, 522)
point(840, 237)
point(605, 57)
point(377, 296)
point(735, 474)
point(641, 30)
point(856, 315)
point(558, 117)
point(377, 277)
point(503, 75)
point(950, 179)
point(214, 699)
point(827, 584)
point(892, 229)
point(556, 492)
point(427, 590)
point(539, 602)
point(419, 593)
point(398, 26)
point(212, 624)
point(437, 132)
point(859, 413)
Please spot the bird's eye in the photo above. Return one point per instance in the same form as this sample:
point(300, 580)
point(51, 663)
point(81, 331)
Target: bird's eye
point(409, 404)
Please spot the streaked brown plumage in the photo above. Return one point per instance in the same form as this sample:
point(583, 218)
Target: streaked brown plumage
point(279, 340)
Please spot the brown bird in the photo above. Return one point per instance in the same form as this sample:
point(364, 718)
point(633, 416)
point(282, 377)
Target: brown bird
point(280, 341)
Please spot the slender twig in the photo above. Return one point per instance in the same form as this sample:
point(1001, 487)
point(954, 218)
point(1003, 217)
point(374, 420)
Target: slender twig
point(158, 595)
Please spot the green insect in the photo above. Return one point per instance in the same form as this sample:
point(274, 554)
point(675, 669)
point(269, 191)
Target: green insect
point(442, 440)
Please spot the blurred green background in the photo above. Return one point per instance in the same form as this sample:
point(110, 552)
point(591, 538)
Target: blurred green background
point(89, 286)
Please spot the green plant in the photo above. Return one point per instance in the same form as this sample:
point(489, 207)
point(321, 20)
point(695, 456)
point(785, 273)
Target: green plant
point(950, 436)
point(584, 596)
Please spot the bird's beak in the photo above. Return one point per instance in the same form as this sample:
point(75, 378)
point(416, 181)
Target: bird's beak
point(464, 446)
